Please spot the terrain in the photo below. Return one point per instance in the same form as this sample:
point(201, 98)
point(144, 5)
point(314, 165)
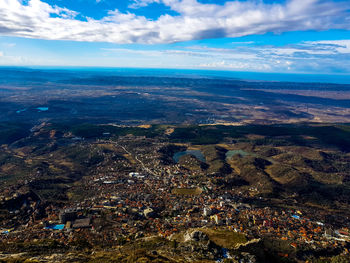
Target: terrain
point(105, 168)
point(142, 203)
point(29, 95)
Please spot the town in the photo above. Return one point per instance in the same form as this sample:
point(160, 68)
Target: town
point(137, 192)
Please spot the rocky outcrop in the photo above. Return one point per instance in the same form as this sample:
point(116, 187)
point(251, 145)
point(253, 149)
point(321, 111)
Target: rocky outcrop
point(198, 245)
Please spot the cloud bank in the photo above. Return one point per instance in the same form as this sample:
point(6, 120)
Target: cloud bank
point(331, 56)
point(37, 19)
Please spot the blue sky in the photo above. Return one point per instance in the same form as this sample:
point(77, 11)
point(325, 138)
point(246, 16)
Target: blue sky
point(296, 36)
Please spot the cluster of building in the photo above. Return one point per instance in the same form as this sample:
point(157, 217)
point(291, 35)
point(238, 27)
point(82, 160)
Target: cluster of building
point(142, 202)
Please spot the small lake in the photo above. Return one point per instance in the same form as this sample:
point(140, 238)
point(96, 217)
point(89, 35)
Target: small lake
point(196, 153)
point(21, 110)
point(42, 108)
point(231, 153)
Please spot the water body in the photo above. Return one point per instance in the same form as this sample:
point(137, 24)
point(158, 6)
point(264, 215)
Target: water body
point(22, 110)
point(196, 153)
point(42, 108)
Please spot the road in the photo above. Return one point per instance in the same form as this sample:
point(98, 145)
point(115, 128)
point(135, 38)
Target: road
point(138, 160)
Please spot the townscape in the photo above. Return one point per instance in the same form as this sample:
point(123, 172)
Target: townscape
point(140, 189)
point(175, 131)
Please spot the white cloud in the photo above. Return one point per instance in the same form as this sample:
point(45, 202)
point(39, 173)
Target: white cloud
point(310, 48)
point(195, 51)
point(340, 46)
point(237, 65)
point(310, 56)
point(195, 20)
point(303, 57)
point(142, 3)
point(9, 44)
point(6, 60)
point(205, 57)
point(317, 56)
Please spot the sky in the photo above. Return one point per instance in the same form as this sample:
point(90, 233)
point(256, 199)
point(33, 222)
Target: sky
point(284, 36)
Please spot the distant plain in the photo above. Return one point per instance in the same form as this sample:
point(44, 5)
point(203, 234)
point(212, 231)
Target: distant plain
point(134, 97)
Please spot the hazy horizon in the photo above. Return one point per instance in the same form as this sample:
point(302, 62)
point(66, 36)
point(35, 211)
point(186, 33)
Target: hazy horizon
point(185, 72)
